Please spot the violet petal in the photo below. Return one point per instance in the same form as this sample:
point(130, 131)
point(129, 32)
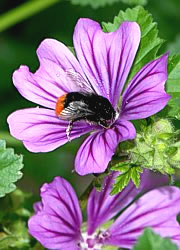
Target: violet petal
point(98, 149)
point(32, 90)
point(157, 209)
point(41, 130)
point(106, 58)
point(151, 180)
point(57, 62)
point(57, 225)
point(51, 80)
point(38, 206)
point(145, 94)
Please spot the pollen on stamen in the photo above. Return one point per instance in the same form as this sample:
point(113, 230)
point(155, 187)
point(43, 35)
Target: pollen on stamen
point(60, 104)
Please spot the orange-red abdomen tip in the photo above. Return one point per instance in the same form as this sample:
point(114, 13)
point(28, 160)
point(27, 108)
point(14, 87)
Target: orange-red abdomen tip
point(60, 104)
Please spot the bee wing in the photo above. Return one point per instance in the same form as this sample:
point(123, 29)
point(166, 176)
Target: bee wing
point(78, 81)
point(75, 111)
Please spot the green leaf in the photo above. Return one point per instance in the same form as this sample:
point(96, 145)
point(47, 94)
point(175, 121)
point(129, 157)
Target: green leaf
point(127, 173)
point(174, 47)
point(10, 166)
point(134, 2)
point(121, 167)
point(135, 175)
point(173, 87)
point(121, 182)
point(173, 83)
point(150, 42)
point(101, 3)
point(152, 241)
point(174, 106)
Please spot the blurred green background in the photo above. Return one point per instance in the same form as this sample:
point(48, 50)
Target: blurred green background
point(18, 46)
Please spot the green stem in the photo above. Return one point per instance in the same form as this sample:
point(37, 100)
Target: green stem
point(171, 180)
point(97, 182)
point(23, 11)
point(11, 141)
point(85, 195)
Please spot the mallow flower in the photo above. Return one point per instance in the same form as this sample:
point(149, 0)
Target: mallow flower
point(57, 223)
point(101, 66)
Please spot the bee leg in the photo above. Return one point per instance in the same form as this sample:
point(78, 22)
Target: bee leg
point(68, 130)
point(103, 124)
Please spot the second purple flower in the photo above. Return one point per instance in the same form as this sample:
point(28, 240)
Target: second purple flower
point(57, 222)
point(102, 66)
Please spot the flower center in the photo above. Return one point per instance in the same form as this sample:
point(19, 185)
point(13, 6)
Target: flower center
point(94, 241)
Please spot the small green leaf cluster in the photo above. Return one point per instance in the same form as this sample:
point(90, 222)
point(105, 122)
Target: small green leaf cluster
point(156, 147)
point(13, 218)
point(127, 172)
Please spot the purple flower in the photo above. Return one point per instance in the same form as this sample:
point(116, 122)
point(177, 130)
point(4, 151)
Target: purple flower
point(104, 62)
point(57, 222)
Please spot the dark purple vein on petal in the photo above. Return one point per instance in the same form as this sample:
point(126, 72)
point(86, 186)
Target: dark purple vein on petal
point(59, 198)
